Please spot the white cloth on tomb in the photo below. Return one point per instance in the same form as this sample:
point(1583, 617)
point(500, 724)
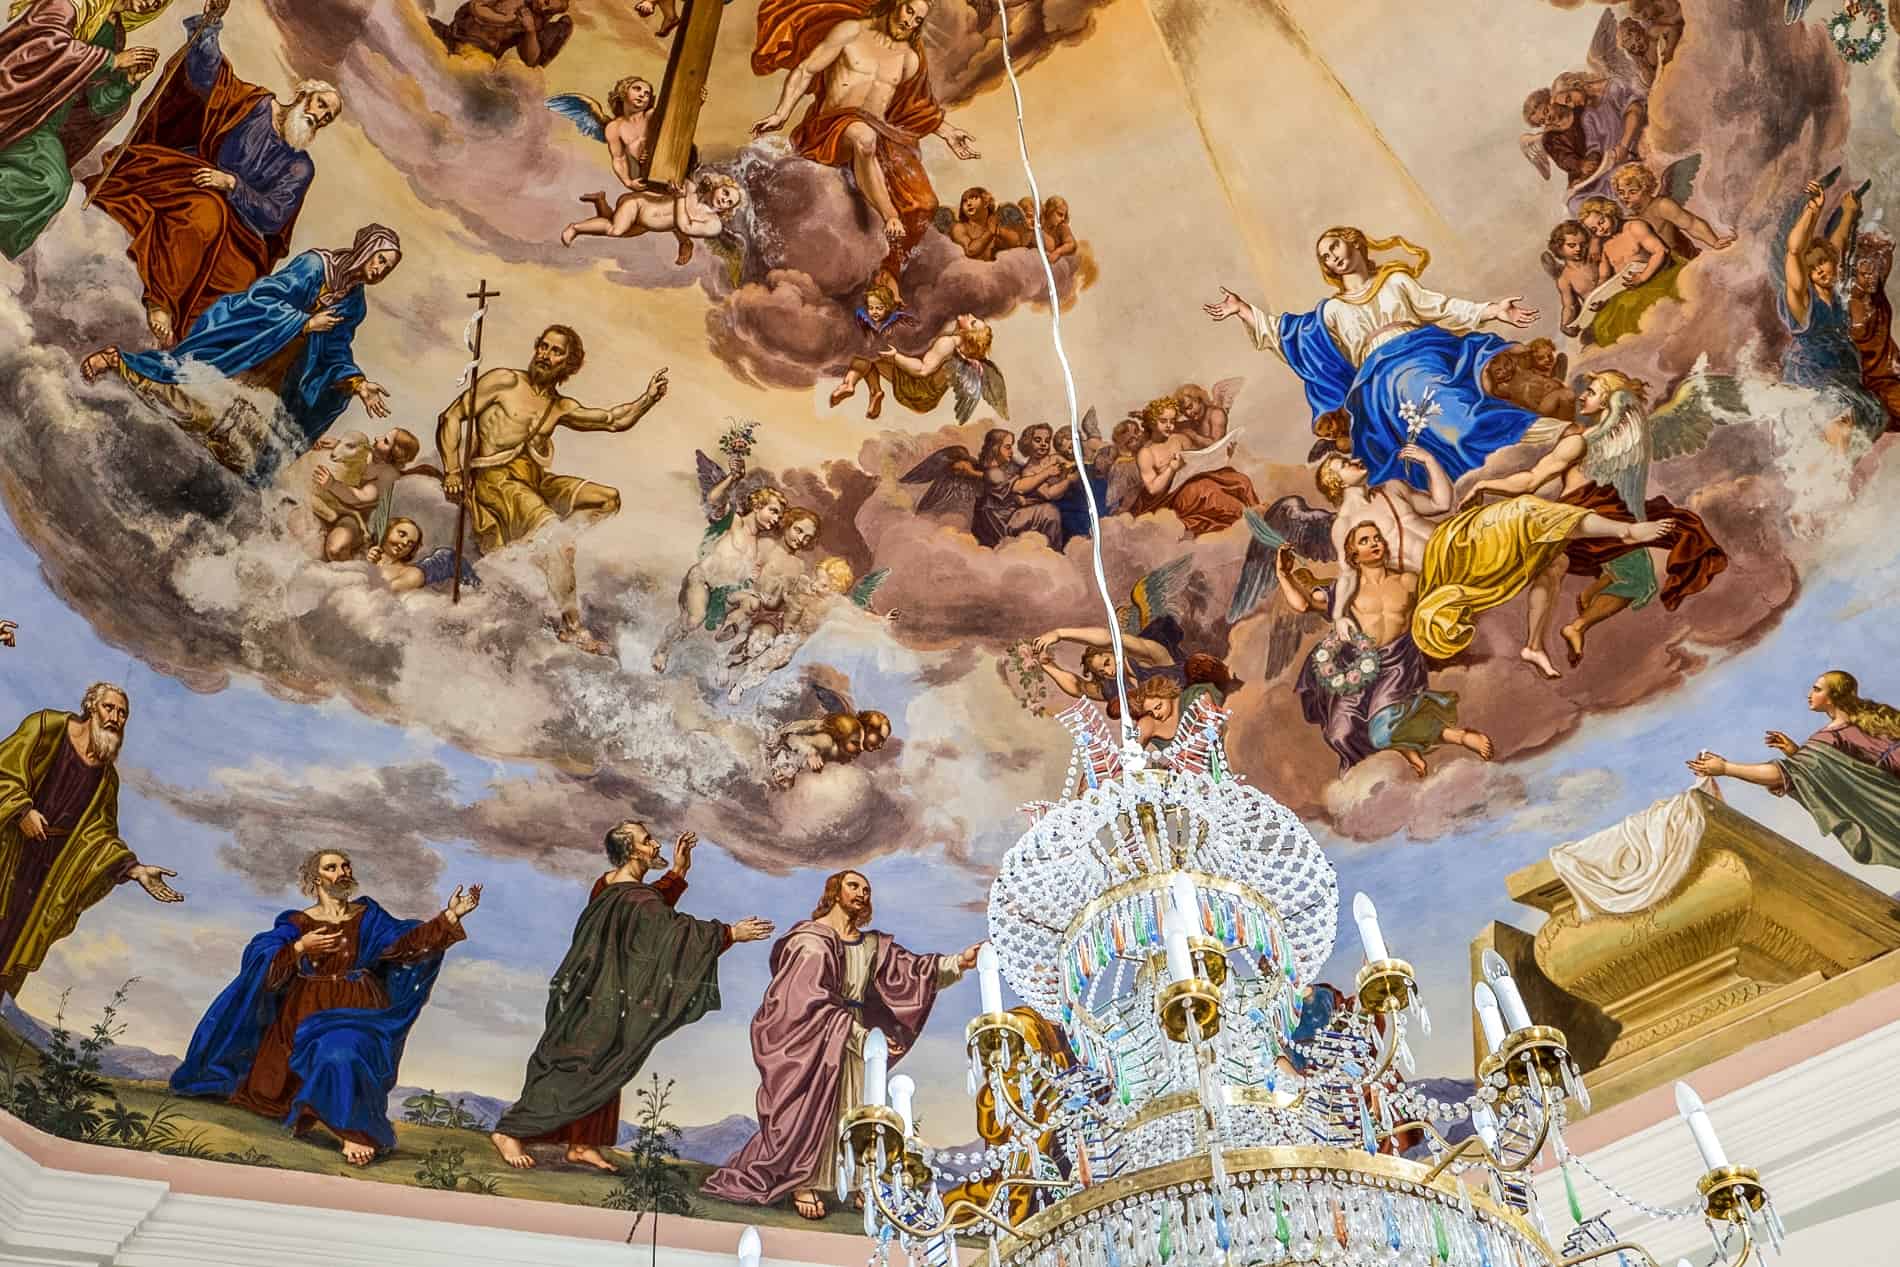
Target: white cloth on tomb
point(1636, 863)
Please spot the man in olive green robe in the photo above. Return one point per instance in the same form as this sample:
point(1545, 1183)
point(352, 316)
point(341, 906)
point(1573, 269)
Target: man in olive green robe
point(60, 849)
point(637, 971)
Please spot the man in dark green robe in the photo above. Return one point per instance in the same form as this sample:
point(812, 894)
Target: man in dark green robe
point(637, 970)
point(65, 78)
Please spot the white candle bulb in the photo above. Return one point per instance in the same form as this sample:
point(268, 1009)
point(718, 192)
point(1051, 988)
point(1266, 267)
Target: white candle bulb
point(749, 1250)
point(1689, 1104)
point(1510, 1002)
point(1486, 1124)
point(1367, 917)
point(903, 1090)
point(1187, 903)
point(989, 979)
point(1180, 962)
point(1486, 1002)
point(877, 1055)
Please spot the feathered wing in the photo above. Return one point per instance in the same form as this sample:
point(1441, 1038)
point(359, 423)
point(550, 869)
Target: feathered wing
point(1257, 578)
point(583, 112)
point(1616, 452)
point(830, 700)
point(1531, 146)
point(1678, 179)
point(709, 471)
point(867, 586)
point(1552, 265)
point(1091, 425)
point(1011, 216)
point(1606, 55)
point(1154, 595)
point(1686, 422)
point(942, 218)
point(1227, 391)
point(950, 489)
point(1308, 529)
point(995, 390)
point(966, 387)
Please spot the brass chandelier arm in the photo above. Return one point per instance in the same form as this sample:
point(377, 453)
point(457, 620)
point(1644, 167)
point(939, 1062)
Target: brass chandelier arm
point(952, 1213)
point(1474, 1146)
point(1621, 1247)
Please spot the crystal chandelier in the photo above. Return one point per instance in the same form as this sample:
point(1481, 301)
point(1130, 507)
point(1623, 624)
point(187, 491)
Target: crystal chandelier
point(1166, 918)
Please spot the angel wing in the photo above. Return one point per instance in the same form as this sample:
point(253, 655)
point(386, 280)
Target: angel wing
point(710, 473)
point(1308, 529)
point(867, 586)
point(1091, 425)
point(942, 218)
point(1153, 595)
point(1678, 179)
point(950, 489)
point(1616, 452)
point(1606, 55)
point(1685, 423)
point(830, 700)
point(1226, 392)
point(1011, 217)
point(995, 390)
point(1531, 146)
point(1552, 265)
point(583, 112)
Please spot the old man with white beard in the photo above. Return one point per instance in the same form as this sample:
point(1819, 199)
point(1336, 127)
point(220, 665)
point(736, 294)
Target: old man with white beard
point(211, 181)
point(60, 849)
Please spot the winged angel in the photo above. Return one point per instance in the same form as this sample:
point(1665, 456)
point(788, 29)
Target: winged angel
point(1589, 121)
point(838, 735)
point(957, 364)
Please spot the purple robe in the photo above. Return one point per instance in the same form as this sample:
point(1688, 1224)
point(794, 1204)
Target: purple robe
point(798, 1043)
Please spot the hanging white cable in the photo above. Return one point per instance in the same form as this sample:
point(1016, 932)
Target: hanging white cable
point(1068, 383)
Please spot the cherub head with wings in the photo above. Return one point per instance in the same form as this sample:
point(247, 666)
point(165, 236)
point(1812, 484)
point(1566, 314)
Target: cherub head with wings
point(630, 96)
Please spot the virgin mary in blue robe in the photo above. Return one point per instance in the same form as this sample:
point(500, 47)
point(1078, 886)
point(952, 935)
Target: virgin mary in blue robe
point(1405, 364)
point(258, 336)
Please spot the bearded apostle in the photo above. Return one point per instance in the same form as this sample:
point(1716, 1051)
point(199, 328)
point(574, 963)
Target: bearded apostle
point(210, 183)
point(292, 333)
point(312, 1030)
point(630, 947)
point(833, 982)
point(65, 78)
point(60, 850)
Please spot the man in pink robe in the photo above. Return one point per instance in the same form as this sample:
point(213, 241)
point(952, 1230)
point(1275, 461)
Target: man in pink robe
point(833, 981)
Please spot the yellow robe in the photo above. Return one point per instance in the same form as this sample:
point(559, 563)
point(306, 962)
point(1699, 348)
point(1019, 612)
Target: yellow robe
point(1481, 558)
point(88, 859)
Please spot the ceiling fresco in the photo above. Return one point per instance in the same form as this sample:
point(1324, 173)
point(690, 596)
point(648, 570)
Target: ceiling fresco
point(460, 435)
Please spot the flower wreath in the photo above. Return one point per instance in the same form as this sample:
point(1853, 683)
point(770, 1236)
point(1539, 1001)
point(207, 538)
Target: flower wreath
point(1346, 666)
point(1863, 48)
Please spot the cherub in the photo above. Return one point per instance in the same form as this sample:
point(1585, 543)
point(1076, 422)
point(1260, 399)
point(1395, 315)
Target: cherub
point(980, 228)
point(881, 309)
point(536, 30)
point(1058, 239)
point(806, 601)
point(840, 735)
point(6, 632)
point(669, 11)
point(1205, 413)
point(353, 484)
point(956, 364)
point(626, 126)
point(1633, 37)
point(1636, 271)
point(1642, 196)
point(1574, 261)
point(698, 208)
point(756, 614)
point(1663, 20)
point(393, 556)
point(1532, 375)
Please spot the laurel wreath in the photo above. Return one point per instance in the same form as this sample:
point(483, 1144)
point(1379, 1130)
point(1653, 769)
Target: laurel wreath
point(1864, 47)
point(1346, 666)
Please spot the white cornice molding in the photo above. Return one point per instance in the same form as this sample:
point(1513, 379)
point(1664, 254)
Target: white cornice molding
point(1826, 1126)
point(64, 1218)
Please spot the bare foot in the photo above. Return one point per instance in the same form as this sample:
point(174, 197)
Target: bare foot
point(598, 201)
point(160, 323)
point(1573, 640)
point(1476, 740)
point(98, 363)
point(894, 229)
point(1654, 530)
point(589, 1156)
point(666, 29)
point(358, 1154)
point(841, 393)
point(659, 660)
point(877, 404)
point(568, 235)
point(1414, 760)
point(686, 251)
point(578, 636)
point(806, 1202)
point(511, 1151)
point(1535, 657)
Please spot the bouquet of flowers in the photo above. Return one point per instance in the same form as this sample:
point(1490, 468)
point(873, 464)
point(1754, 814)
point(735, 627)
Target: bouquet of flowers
point(1346, 666)
point(1418, 414)
point(1022, 673)
point(739, 438)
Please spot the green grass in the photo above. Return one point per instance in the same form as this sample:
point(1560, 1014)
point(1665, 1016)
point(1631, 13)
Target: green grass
point(217, 1130)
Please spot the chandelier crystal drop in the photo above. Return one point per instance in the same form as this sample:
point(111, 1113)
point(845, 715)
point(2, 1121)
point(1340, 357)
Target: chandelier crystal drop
point(1167, 919)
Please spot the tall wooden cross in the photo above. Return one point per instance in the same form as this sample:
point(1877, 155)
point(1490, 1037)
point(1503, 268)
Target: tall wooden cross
point(681, 91)
point(481, 295)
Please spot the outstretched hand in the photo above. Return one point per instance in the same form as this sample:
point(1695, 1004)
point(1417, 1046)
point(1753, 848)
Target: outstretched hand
point(657, 385)
point(375, 398)
point(1781, 743)
point(215, 9)
point(135, 63)
point(967, 960)
point(461, 903)
point(1708, 765)
point(961, 143)
point(152, 880)
point(1230, 305)
point(770, 123)
point(683, 853)
point(751, 928)
point(1512, 312)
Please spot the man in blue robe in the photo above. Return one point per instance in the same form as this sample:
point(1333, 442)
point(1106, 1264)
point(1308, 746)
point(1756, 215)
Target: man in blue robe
point(210, 182)
point(312, 1030)
point(292, 333)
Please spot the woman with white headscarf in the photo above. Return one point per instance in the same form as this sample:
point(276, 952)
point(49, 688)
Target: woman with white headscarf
point(292, 333)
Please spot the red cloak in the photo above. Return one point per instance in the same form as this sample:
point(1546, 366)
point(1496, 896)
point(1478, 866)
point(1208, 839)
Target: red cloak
point(188, 245)
point(788, 32)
